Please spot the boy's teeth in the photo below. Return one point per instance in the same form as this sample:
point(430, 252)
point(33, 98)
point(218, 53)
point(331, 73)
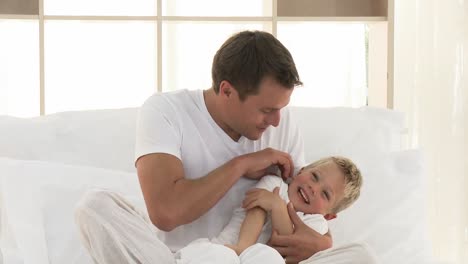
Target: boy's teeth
point(303, 196)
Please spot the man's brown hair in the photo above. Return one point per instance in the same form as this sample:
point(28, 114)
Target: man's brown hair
point(247, 57)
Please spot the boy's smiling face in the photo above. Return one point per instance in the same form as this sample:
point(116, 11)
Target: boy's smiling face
point(316, 190)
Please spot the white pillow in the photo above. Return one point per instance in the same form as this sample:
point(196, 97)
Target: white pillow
point(365, 130)
point(106, 138)
point(390, 215)
point(98, 138)
point(22, 182)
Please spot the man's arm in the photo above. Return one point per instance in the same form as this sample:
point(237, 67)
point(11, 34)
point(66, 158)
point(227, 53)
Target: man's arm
point(172, 200)
point(302, 243)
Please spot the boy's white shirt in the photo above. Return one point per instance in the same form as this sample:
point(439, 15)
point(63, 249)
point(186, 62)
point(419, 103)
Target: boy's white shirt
point(230, 233)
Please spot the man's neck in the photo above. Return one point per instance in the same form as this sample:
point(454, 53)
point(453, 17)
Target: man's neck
point(216, 113)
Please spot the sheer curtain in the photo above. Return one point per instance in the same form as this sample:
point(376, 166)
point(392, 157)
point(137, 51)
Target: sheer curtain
point(431, 86)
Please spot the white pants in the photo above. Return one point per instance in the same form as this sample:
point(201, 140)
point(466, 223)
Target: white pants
point(206, 252)
point(114, 231)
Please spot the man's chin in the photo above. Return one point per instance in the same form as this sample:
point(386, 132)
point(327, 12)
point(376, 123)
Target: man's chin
point(255, 136)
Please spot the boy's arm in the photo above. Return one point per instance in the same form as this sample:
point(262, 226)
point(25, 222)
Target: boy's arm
point(251, 228)
point(280, 220)
point(257, 202)
point(270, 202)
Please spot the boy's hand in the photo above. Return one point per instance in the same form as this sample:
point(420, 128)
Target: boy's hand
point(262, 198)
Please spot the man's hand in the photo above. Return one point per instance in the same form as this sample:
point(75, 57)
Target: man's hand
point(262, 198)
point(302, 244)
point(260, 163)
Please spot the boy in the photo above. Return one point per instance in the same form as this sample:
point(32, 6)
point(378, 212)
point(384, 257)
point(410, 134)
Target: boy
point(318, 192)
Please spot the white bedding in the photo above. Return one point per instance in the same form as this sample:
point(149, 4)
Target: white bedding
point(39, 198)
point(76, 150)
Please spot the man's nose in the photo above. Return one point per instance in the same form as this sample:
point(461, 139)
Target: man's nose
point(274, 118)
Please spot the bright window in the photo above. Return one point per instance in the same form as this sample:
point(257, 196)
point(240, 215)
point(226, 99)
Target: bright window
point(19, 68)
point(112, 54)
point(98, 64)
point(331, 60)
point(185, 69)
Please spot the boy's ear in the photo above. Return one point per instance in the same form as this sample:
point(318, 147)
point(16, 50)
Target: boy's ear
point(329, 217)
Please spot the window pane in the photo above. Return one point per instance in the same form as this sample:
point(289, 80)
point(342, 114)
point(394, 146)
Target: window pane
point(101, 7)
point(19, 68)
point(189, 48)
point(92, 64)
point(217, 8)
point(331, 60)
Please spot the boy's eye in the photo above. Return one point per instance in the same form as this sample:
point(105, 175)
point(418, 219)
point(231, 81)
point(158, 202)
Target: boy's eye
point(327, 196)
point(266, 111)
point(314, 177)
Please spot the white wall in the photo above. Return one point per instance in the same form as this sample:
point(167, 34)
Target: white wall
point(431, 86)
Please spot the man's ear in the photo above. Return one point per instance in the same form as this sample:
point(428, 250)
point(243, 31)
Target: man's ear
point(225, 88)
point(329, 217)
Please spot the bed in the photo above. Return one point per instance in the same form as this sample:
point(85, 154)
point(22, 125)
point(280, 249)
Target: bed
point(47, 162)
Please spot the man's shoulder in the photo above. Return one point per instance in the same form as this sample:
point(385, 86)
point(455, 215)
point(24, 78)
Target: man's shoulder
point(172, 101)
point(173, 96)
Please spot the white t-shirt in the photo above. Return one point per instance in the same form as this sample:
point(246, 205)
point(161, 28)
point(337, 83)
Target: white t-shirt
point(230, 233)
point(178, 123)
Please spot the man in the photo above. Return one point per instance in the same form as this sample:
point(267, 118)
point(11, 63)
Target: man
point(198, 152)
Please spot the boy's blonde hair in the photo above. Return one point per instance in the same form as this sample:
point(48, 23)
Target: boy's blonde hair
point(353, 180)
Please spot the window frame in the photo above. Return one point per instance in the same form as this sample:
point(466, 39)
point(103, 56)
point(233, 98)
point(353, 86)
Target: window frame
point(159, 19)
